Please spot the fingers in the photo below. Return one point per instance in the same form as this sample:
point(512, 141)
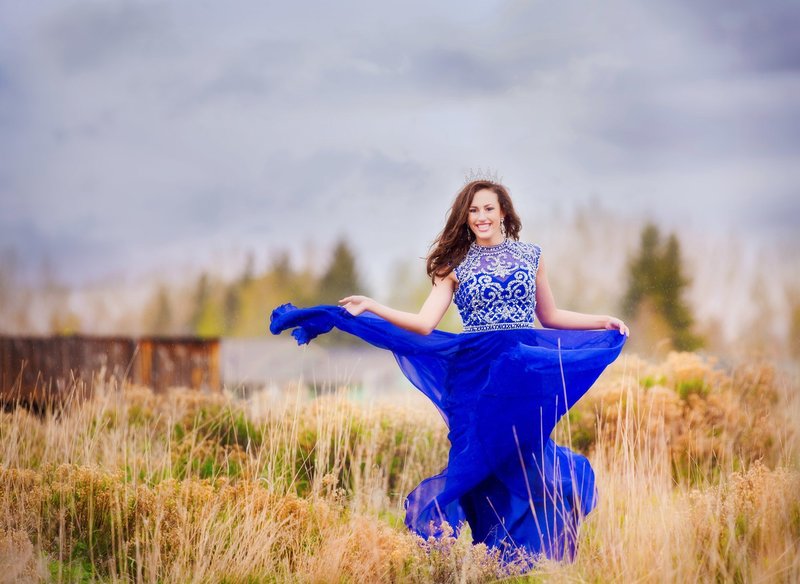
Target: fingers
point(355, 299)
point(616, 323)
point(351, 305)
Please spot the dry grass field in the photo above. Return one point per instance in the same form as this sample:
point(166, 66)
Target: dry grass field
point(698, 471)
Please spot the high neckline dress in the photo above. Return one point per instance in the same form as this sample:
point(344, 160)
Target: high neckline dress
point(501, 386)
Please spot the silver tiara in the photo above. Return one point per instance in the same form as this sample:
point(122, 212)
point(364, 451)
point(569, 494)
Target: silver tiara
point(480, 174)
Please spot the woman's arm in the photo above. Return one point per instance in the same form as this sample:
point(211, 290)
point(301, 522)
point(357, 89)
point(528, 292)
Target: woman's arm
point(552, 317)
point(423, 322)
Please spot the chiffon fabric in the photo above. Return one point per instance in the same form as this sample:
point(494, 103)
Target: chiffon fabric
point(500, 391)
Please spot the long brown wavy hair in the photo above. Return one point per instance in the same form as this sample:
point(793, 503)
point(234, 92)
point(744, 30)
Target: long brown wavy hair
point(452, 244)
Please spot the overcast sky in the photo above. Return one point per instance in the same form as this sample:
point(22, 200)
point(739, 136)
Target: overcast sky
point(135, 134)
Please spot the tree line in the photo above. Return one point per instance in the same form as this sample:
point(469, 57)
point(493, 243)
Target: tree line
point(240, 308)
point(654, 300)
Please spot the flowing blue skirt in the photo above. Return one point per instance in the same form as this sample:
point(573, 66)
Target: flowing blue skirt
point(500, 393)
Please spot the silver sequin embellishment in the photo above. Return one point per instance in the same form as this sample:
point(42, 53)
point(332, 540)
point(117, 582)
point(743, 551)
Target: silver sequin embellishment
point(497, 286)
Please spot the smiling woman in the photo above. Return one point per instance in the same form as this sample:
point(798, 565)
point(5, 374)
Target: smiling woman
point(501, 385)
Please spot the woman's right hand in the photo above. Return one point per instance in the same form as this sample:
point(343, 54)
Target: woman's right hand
point(355, 305)
point(421, 323)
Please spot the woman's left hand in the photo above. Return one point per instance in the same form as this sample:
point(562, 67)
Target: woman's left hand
point(615, 323)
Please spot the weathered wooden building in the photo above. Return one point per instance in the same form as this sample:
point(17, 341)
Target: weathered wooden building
point(37, 369)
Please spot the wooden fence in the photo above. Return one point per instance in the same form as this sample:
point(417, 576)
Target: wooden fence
point(38, 369)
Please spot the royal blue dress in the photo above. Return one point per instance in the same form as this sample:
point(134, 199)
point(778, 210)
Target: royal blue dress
point(501, 386)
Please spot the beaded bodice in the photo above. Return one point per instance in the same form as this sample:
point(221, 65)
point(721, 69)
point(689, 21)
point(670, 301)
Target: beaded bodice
point(497, 286)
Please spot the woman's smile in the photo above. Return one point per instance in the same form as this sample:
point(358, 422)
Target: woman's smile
point(486, 218)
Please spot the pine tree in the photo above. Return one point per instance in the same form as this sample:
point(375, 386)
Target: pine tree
point(201, 297)
point(206, 320)
point(281, 269)
point(245, 303)
point(674, 308)
point(161, 323)
point(656, 285)
point(341, 278)
point(643, 271)
point(231, 307)
point(248, 273)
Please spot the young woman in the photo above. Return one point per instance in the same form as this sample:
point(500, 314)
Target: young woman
point(501, 385)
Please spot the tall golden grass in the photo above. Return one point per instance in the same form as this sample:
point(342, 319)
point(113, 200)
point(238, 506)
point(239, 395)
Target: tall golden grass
point(697, 472)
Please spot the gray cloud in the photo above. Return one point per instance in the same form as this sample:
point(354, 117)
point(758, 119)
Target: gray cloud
point(166, 126)
point(758, 37)
point(458, 72)
point(654, 129)
point(84, 36)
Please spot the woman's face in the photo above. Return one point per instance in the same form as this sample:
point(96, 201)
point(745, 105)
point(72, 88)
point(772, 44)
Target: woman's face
point(485, 218)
